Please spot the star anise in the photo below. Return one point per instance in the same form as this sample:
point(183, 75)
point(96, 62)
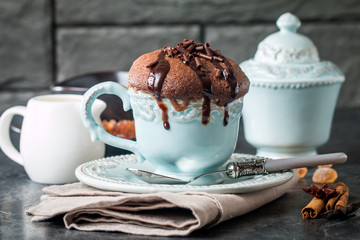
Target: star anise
point(342, 213)
point(324, 192)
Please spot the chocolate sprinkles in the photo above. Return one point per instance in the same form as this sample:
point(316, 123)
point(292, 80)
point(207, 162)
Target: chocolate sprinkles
point(186, 58)
point(191, 48)
point(197, 62)
point(207, 49)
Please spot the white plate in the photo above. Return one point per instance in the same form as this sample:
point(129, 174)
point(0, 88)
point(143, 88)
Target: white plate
point(110, 174)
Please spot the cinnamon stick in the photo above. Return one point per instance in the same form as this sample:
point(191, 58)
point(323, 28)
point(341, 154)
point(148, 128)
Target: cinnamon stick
point(313, 208)
point(343, 200)
point(340, 188)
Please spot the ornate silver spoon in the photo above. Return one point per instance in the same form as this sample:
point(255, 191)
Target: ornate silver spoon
point(253, 167)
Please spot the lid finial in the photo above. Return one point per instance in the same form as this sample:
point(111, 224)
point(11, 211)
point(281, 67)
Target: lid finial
point(288, 22)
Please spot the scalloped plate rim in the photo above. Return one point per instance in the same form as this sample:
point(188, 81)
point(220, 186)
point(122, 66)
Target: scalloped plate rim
point(122, 185)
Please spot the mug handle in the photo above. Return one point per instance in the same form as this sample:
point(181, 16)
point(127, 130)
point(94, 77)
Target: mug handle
point(97, 132)
point(5, 141)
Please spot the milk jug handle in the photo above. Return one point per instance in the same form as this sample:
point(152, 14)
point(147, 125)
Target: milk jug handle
point(97, 132)
point(5, 141)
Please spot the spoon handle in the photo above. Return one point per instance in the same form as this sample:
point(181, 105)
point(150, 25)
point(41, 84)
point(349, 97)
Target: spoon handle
point(264, 165)
point(305, 161)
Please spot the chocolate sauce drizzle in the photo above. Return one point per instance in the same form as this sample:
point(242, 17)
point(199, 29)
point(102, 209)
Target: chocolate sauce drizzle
point(164, 110)
point(227, 73)
point(158, 71)
point(189, 53)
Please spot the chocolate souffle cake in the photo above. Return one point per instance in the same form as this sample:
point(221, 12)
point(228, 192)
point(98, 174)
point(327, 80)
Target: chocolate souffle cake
point(189, 72)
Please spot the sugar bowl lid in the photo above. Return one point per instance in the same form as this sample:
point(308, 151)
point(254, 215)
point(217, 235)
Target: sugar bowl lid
point(288, 56)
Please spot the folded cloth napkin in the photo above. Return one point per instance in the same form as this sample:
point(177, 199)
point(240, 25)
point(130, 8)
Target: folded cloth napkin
point(162, 214)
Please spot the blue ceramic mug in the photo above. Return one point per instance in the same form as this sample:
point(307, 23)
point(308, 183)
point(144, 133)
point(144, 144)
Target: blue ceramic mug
point(186, 149)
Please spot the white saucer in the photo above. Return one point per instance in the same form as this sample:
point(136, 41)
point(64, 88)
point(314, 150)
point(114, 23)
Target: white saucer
point(110, 174)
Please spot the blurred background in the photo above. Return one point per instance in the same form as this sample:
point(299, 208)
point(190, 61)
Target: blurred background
point(47, 41)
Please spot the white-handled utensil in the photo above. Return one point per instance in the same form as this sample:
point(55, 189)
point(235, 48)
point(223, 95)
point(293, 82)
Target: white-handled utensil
point(252, 167)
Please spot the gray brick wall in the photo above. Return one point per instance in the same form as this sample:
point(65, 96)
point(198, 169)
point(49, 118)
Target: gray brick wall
point(43, 41)
point(25, 51)
point(82, 50)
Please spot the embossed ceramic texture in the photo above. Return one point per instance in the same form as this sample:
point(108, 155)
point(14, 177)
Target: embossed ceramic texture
point(110, 174)
point(145, 107)
point(187, 149)
point(289, 108)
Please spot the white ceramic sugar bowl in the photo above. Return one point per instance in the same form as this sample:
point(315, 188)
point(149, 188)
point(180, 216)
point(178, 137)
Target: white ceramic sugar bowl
point(289, 108)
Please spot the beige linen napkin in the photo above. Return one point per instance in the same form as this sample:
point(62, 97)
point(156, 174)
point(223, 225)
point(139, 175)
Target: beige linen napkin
point(162, 214)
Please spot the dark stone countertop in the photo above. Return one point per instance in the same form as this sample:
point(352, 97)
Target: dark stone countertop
point(280, 219)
